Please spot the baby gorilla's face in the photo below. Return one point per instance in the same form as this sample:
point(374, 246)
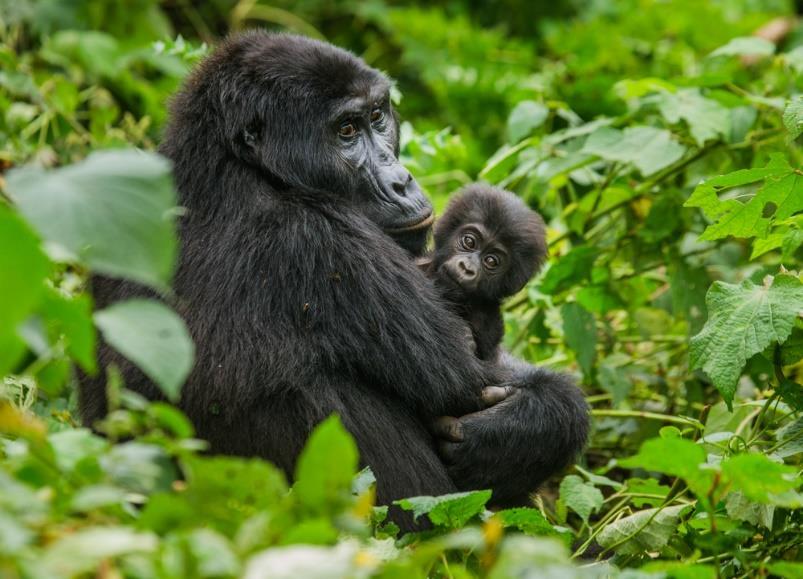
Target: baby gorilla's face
point(474, 262)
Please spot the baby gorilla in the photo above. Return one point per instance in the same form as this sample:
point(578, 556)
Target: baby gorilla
point(488, 244)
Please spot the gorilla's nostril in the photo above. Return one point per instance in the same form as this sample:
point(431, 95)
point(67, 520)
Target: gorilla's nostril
point(400, 188)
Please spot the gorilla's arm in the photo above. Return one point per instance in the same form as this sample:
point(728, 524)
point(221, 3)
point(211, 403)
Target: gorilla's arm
point(513, 446)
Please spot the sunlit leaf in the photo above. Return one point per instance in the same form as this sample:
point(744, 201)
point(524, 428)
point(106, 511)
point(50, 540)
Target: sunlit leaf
point(326, 466)
point(113, 211)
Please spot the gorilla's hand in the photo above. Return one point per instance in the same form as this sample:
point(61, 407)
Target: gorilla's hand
point(528, 432)
point(449, 429)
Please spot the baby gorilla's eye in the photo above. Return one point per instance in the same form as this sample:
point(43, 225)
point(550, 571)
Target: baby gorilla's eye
point(377, 115)
point(491, 261)
point(468, 241)
point(347, 130)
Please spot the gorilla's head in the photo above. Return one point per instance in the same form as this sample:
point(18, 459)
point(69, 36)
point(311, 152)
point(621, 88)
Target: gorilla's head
point(309, 117)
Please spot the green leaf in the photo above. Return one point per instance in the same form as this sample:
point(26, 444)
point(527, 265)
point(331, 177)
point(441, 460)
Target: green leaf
point(580, 332)
point(742, 321)
point(793, 117)
point(153, 337)
point(790, 437)
point(706, 118)
point(787, 569)
point(71, 317)
point(569, 269)
point(746, 46)
point(526, 520)
point(452, 510)
point(525, 117)
point(762, 480)
point(740, 508)
point(580, 496)
point(647, 148)
point(326, 467)
point(649, 486)
point(114, 211)
point(645, 531)
point(675, 457)
point(84, 550)
point(24, 268)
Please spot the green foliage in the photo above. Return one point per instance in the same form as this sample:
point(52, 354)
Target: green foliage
point(658, 139)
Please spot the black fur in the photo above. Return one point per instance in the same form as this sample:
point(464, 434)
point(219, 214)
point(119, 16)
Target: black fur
point(500, 226)
point(301, 304)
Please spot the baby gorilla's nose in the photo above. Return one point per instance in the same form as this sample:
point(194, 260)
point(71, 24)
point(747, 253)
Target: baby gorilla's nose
point(467, 271)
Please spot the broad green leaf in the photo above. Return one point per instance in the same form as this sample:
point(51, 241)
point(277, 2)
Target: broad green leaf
point(114, 211)
point(762, 480)
point(740, 508)
point(74, 445)
point(580, 496)
point(569, 269)
point(525, 117)
point(326, 467)
point(705, 194)
point(580, 332)
point(793, 117)
point(526, 520)
point(706, 118)
point(452, 510)
point(742, 321)
point(153, 337)
point(84, 550)
point(647, 148)
point(23, 269)
point(746, 46)
point(780, 197)
point(139, 467)
point(675, 457)
point(645, 531)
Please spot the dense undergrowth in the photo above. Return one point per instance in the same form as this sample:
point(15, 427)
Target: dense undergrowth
point(658, 139)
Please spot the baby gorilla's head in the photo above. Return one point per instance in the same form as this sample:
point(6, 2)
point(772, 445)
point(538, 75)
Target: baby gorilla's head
point(488, 244)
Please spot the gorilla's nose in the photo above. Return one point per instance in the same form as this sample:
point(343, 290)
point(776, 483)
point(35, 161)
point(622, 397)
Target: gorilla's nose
point(401, 182)
point(467, 270)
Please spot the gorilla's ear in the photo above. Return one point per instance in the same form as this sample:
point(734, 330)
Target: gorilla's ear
point(250, 138)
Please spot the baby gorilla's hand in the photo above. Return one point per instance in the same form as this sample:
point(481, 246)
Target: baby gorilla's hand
point(449, 430)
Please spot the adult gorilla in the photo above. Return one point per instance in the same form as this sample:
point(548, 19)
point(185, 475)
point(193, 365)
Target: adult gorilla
point(296, 282)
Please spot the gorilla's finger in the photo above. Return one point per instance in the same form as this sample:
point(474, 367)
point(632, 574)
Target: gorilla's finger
point(448, 428)
point(495, 394)
point(448, 451)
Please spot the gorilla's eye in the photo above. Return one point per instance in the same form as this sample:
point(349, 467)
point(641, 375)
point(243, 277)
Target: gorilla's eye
point(491, 261)
point(377, 115)
point(347, 130)
point(468, 241)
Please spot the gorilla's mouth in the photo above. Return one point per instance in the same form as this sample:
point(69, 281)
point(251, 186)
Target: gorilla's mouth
point(415, 226)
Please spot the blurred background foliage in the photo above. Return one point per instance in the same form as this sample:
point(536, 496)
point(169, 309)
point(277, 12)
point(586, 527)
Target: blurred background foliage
point(659, 139)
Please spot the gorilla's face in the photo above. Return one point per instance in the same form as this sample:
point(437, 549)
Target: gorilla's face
point(367, 141)
point(316, 118)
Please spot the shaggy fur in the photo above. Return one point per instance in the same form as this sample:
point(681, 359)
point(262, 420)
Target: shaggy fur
point(300, 305)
